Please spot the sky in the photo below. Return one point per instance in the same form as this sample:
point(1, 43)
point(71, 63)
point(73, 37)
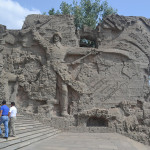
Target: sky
point(13, 12)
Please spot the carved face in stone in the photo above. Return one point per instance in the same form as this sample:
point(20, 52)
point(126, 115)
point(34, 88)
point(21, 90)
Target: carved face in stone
point(27, 40)
point(56, 37)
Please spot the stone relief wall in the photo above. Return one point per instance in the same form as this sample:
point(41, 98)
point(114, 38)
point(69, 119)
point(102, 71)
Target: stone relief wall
point(46, 72)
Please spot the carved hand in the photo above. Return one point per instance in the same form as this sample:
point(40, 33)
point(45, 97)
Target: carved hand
point(21, 78)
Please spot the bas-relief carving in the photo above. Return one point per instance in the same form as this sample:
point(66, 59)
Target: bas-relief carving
point(45, 71)
point(8, 83)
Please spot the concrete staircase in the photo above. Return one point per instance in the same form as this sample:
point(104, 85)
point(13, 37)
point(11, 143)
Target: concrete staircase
point(28, 131)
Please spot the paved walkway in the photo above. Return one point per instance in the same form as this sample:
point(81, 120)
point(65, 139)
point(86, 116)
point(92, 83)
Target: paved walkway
point(88, 141)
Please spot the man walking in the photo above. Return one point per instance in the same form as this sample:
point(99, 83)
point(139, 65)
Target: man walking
point(12, 114)
point(4, 110)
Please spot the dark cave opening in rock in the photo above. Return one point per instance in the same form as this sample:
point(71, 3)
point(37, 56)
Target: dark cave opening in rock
point(97, 122)
point(87, 43)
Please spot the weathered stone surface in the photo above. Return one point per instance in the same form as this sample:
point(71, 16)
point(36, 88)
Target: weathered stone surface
point(48, 74)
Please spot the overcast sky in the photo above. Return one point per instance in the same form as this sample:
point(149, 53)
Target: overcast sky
point(13, 12)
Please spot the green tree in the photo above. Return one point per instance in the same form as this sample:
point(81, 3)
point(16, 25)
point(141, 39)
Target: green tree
point(65, 8)
point(107, 10)
point(90, 12)
point(52, 11)
point(86, 12)
point(44, 13)
point(77, 12)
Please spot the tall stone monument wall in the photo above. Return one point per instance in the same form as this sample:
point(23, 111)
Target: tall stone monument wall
point(49, 74)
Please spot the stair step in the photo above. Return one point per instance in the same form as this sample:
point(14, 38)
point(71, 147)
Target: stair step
point(28, 127)
point(20, 115)
point(35, 132)
point(24, 121)
point(28, 131)
point(21, 118)
point(26, 124)
point(33, 139)
point(25, 137)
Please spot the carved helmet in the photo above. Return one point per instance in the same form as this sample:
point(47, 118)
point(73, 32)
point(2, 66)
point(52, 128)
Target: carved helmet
point(58, 34)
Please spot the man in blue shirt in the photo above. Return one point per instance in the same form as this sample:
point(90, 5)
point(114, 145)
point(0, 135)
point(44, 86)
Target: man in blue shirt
point(4, 110)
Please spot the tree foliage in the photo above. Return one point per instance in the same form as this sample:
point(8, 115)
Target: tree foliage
point(86, 12)
point(107, 10)
point(52, 12)
point(65, 8)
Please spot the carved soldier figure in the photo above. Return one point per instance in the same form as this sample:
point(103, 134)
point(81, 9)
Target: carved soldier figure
point(57, 56)
point(130, 122)
point(58, 53)
point(6, 77)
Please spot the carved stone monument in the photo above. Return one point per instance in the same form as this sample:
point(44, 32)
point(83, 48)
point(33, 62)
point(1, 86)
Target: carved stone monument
point(49, 74)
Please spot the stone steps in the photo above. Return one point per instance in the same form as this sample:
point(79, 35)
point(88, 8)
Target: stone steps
point(27, 133)
point(25, 121)
point(27, 124)
point(28, 130)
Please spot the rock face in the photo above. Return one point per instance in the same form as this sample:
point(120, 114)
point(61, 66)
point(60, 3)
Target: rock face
point(46, 71)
